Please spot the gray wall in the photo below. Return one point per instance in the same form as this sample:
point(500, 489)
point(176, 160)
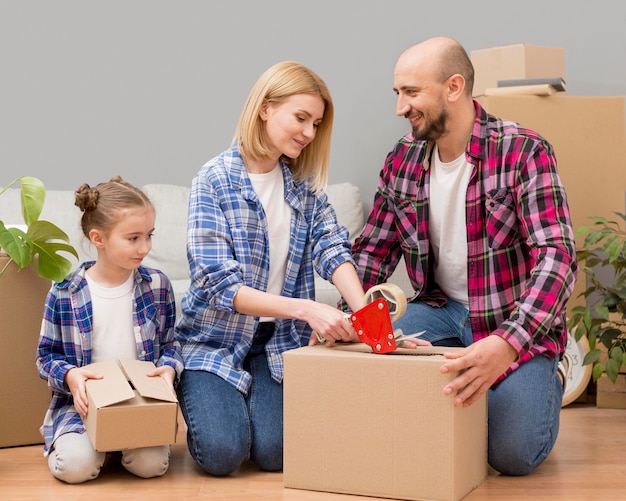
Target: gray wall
point(151, 89)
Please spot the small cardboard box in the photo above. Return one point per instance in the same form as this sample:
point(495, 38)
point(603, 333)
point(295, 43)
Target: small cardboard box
point(128, 409)
point(518, 61)
point(610, 395)
point(24, 396)
point(356, 422)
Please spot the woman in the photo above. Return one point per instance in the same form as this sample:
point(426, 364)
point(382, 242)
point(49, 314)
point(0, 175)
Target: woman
point(259, 222)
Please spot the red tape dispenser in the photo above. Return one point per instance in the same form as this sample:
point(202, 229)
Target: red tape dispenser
point(372, 324)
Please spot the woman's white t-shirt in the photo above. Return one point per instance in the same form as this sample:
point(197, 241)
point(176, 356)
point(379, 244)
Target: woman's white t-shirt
point(270, 189)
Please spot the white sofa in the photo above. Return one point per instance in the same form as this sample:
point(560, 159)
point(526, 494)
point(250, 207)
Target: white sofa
point(169, 252)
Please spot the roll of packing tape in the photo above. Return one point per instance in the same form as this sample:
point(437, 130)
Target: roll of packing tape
point(394, 295)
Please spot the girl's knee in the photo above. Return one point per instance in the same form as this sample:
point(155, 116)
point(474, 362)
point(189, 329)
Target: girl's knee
point(147, 462)
point(73, 460)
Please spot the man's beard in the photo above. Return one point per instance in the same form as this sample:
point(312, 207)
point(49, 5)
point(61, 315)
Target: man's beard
point(432, 130)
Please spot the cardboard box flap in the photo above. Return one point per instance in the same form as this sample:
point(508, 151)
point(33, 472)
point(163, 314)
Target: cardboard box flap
point(147, 387)
point(112, 388)
point(419, 351)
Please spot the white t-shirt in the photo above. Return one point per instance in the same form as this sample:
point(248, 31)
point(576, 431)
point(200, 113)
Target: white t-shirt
point(270, 188)
point(447, 229)
point(113, 334)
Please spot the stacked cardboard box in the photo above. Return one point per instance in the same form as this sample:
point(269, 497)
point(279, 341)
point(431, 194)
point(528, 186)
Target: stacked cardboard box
point(515, 62)
point(24, 396)
point(610, 395)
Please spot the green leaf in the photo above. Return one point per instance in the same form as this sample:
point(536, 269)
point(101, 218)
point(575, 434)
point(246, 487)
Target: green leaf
point(587, 319)
point(581, 231)
point(613, 247)
point(33, 197)
point(579, 332)
point(45, 238)
point(612, 369)
point(591, 357)
point(15, 243)
point(616, 354)
point(597, 371)
point(608, 336)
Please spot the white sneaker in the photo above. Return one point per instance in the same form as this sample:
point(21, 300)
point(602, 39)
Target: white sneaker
point(565, 369)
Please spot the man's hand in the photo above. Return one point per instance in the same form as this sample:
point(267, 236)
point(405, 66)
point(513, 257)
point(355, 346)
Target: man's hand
point(482, 363)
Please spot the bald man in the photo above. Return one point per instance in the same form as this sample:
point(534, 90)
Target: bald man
point(476, 208)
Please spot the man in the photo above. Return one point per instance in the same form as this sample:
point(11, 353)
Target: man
point(475, 206)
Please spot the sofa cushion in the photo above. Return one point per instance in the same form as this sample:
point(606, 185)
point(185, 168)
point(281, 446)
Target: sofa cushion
point(169, 244)
point(346, 200)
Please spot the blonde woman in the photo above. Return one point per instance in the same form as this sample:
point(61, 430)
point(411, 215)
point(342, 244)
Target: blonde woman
point(259, 223)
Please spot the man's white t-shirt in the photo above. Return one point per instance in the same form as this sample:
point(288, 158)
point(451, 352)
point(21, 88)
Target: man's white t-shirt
point(447, 228)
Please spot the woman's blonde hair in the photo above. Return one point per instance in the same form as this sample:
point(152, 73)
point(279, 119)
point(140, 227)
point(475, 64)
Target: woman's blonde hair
point(278, 83)
point(101, 205)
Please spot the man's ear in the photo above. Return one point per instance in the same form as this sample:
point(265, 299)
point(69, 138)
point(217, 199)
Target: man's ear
point(456, 86)
point(97, 238)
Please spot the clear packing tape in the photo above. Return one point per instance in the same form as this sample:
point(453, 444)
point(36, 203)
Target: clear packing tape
point(393, 294)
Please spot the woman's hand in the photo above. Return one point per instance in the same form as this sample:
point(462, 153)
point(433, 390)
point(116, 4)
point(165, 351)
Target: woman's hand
point(329, 324)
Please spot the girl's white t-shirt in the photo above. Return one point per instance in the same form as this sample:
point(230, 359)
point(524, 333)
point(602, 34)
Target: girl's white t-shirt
point(447, 224)
point(113, 334)
point(270, 189)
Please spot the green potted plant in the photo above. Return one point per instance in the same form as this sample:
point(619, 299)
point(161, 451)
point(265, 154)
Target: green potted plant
point(40, 245)
point(603, 319)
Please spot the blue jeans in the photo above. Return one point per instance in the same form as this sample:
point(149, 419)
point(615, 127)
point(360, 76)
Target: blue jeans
point(226, 428)
point(523, 409)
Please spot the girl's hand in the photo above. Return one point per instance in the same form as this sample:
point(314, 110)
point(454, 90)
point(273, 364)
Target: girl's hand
point(75, 380)
point(166, 372)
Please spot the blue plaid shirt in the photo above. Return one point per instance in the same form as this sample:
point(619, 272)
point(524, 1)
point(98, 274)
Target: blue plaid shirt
point(227, 247)
point(65, 339)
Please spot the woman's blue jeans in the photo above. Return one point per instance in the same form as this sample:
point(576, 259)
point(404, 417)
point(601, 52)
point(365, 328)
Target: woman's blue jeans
point(523, 409)
point(226, 428)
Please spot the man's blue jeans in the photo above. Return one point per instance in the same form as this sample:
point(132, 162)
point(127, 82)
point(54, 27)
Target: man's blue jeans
point(225, 427)
point(524, 408)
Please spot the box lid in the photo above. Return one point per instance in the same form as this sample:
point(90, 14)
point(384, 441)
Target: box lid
point(148, 387)
point(114, 387)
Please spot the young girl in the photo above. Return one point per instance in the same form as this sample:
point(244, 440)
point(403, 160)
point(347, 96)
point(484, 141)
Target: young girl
point(110, 308)
point(259, 222)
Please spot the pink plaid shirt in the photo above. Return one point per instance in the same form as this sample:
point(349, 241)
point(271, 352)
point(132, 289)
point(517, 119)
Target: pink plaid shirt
point(520, 244)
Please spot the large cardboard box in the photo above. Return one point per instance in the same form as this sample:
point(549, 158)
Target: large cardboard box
point(128, 409)
point(610, 395)
point(589, 141)
point(518, 61)
point(356, 422)
point(24, 396)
